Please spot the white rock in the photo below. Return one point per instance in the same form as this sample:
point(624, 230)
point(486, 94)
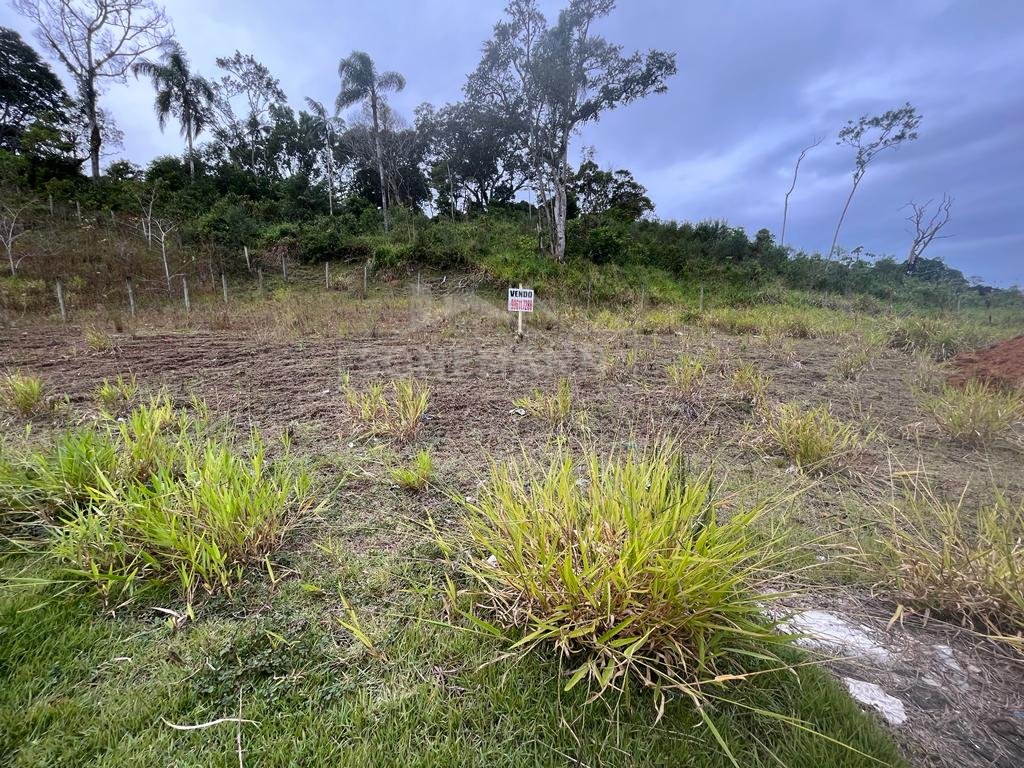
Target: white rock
point(826, 630)
point(871, 695)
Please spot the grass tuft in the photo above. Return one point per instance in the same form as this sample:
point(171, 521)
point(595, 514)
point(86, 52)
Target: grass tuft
point(114, 396)
point(418, 475)
point(552, 408)
point(812, 438)
point(688, 375)
point(750, 383)
point(975, 414)
point(393, 409)
point(23, 395)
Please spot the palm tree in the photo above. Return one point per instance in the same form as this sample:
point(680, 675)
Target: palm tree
point(360, 82)
point(328, 124)
point(179, 93)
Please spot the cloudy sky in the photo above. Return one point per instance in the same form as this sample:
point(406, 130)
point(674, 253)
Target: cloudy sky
point(757, 81)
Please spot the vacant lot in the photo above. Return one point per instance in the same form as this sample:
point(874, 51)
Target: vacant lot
point(344, 645)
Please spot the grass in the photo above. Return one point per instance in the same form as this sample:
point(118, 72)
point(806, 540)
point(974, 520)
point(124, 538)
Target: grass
point(976, 413)
point(936, 336)
point(811, 438)
point(592, 560)
point(954, 559)
point(113, 397)
point(750, 383)
point(417, 475)
point(154, 499)
point(554, 408)
point(98, 339)
point(688, 375)
point(23, 395)
point(394, 409)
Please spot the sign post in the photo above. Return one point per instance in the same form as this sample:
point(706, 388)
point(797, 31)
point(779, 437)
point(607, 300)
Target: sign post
point(520, 300)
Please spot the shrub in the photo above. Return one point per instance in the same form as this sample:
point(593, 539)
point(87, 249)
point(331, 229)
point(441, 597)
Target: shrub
point(23, 395)
point(395, 409)
point(552, 408)
point(417, 476)
point(936, 556)
point(687, 375)
point(623, 566)
point(976, 413)
point(750, 383)
point(810, 437)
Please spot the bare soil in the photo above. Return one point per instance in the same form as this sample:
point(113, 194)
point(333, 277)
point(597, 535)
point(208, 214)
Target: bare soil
point(1001, 365)
point(476, 370)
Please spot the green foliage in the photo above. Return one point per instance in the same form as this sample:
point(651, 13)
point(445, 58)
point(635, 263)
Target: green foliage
point(553, 408)
point(22, 394)
point(591, 558)
point(113, 397)
point(418, 475)
point(938, 337)
point(975, 413)
point(812, 438)
point(688, 375)
point(750, 383)
point(393, 409)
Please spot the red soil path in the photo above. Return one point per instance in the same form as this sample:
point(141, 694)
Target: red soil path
point(1001, 364)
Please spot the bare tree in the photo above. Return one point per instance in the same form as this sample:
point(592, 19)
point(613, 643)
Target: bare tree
point(146, 204)
point(796, 170)
point(9, 231)
point(97, 40)
point(164, 229)
point(926, 228)
point(870, 136)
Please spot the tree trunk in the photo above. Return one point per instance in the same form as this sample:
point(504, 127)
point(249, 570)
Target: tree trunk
point(835, 237)
point(10, 258)
point(95, 140)
point(560, 201)
point(380, 161)
point(191, 154)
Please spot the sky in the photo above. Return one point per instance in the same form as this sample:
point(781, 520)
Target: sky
point(757, 82)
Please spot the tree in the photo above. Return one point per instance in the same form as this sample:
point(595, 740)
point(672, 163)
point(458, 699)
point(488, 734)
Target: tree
point(10, 211)
point(29, 90)
point(611, 193)
point(551, 81)
point(360, 82)
point(796, 170)
point(97, 41)
point(327, 125)
point(251, 82)
point(179, 92)
point(926, 230)
point(871, 136)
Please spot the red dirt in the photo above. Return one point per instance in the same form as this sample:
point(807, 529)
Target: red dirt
point(1001, 364)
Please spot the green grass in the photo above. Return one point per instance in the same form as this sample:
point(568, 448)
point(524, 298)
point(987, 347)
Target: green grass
point(812, 438)
point(23, 395)
point(976, 413)
point(417, 475)
point(553, 408)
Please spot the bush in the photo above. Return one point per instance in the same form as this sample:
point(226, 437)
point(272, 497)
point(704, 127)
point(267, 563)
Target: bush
point(811, 438)
point(445, 246)
point(554, 408)
point(937, 556)
point(622, 566)
point(23, 395)
point(976, 413)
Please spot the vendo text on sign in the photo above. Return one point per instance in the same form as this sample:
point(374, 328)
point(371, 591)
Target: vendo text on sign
point(520, 300)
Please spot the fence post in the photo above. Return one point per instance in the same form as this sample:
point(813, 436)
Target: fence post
point(327, 274)
point(701, 306)
point(284, 268)
point(248, 264)
point(131, 296)
point(78, 210)
point(60, 301)
point(366, 279)
point(224, 286)
point(184, 290)
point(51, 204)
point(259, 278)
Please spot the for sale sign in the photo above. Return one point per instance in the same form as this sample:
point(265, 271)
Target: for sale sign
point(520, 300)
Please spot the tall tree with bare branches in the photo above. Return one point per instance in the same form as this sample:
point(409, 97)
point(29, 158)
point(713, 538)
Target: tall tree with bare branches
point(360, 81)
point(926, 228)
point(97, 41)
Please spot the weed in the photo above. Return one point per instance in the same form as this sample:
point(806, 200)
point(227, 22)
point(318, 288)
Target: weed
point(936, 556)
point(595, 566)
point(940, 338)
point(748, 382)
point(417, 476)
point(976, 413)
point(394, 409)
point(856, 359)
point(554, 408)
point(688, 375)
point(98, 339)
point(23, 395)
point(811, 437)
point(114, 396)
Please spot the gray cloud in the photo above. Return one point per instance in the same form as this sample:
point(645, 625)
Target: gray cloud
point(757, 81)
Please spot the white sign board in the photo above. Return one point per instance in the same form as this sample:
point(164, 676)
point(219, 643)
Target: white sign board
point(520, 300)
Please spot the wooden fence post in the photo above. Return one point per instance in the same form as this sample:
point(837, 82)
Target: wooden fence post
point(224, 286)
point(327, 274)
point(259, 278)
point(248, 264)
point(131, 296)
point(701, 306)
point(184, 290)
point(60, 301)
point(284, 268)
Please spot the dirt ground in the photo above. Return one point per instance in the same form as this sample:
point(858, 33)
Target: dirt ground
point(1000, 364)
point(476, 370)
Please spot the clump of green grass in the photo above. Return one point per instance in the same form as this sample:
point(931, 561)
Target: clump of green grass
point(976, 413)
point(418, 475)
point(553, 408)
point(955, 559)
point(812, 438)
point(23, 395)
point(936, 336)
point(114, 396)
point(623, 566)
point(98, 339)
point(688, 375)
point(750, 383)
point(155, 499)
point(855, 360)
point(394, 409)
